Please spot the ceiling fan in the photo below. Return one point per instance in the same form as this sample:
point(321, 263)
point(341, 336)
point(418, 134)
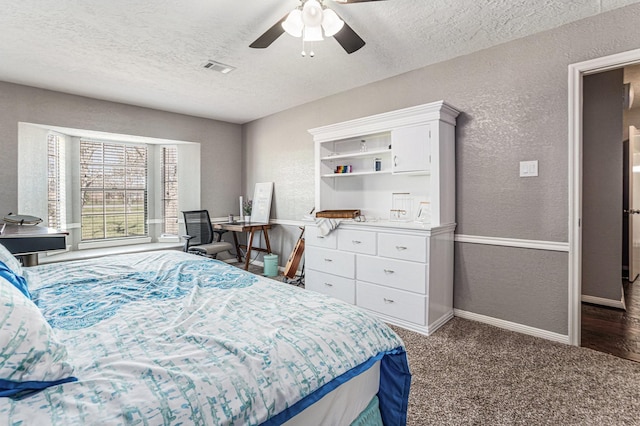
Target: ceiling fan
point(310, 20)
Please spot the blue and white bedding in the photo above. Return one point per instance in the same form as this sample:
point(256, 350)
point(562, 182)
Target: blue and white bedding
point(172, 338)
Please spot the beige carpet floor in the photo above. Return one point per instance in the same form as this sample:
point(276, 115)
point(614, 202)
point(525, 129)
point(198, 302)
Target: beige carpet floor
point(469, 373)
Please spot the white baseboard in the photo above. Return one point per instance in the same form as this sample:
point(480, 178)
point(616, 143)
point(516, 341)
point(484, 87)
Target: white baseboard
point(512, 326)
point(425, 330)
point(604, 302)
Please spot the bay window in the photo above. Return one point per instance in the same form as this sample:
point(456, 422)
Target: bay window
point(106, 189)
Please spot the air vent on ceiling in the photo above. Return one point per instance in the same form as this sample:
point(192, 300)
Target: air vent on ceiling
point(218, 66)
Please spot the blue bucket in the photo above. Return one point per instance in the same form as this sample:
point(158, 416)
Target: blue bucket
point(270, 265)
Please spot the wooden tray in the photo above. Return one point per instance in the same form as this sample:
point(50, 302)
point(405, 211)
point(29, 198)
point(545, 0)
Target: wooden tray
point(338, 214)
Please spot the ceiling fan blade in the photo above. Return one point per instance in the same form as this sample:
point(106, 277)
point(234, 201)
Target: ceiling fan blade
point(270, 35)
point(353, 1)
point(348, 39)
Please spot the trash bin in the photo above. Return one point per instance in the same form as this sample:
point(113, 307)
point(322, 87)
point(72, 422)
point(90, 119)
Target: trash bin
point(270, 265)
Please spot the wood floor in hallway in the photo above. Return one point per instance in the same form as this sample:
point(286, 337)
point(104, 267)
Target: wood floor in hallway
point(614, 331)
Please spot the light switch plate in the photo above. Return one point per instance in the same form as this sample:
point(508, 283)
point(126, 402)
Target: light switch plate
point(529, 168)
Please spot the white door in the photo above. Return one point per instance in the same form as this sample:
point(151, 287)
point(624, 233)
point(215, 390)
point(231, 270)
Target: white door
point(634, 203)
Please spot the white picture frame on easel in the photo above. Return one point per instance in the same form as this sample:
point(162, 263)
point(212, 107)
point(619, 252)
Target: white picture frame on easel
point(261, 207)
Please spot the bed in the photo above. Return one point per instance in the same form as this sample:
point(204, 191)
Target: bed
point(168, 337)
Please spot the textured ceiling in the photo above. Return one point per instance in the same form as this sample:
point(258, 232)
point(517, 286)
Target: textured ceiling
point(151, 53)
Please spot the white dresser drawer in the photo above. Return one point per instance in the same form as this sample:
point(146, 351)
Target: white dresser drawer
point(403, 247)
point(332, 285)
point(409, 276)
point(394, 303)
point(330, 261)
point(357, 241)
point(313, 238)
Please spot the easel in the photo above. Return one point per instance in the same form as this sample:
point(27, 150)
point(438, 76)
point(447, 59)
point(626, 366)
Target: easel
point(294, 260)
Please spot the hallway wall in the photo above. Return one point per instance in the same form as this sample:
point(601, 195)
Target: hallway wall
point(602, 185)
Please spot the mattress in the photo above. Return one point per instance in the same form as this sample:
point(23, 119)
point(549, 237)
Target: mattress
point(173, 338)
point(343, 405)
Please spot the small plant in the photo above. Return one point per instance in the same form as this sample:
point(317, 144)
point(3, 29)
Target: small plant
point(246, 207)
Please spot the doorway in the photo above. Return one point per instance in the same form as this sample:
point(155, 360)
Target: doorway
point(577, 72)
point(611, 213)
point(631, 187)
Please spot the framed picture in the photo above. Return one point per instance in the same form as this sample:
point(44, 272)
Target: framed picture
point(262, 202)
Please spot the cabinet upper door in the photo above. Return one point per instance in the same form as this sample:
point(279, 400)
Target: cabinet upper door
point(411, 149)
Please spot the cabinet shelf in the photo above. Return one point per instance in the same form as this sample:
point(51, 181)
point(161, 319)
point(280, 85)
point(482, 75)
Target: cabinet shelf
point(359, 154)
point(416, 151)
point(339, 175)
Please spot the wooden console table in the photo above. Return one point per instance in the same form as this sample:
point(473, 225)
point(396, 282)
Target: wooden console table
point(251, 228)
point(27, 240)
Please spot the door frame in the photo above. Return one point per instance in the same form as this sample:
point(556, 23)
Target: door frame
point(576, 72)
point(632, 224)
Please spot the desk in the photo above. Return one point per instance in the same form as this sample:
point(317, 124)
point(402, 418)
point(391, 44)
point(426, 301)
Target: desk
point(28, 240)
point(250, 227)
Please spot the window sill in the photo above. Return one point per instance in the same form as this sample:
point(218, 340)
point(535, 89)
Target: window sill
point(99, 252)
point(90, 245)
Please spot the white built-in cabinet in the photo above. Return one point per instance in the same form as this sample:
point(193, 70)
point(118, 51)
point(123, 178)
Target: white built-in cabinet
point(398, 269)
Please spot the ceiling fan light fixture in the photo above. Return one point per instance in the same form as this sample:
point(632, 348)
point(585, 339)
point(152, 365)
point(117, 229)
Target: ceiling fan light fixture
point(331, 23)
point(293, 25)
point(312, 33)
point(312, 13)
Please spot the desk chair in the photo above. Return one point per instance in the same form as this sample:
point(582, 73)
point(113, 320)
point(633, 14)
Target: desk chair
point(201, 239)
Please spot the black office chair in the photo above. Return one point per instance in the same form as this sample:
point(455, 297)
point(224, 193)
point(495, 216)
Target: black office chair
point(201, 238)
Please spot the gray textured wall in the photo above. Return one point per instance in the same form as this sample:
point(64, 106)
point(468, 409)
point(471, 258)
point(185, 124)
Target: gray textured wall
point(514, 103)
point(221, 150)
point(602, 185)
point(500, 281)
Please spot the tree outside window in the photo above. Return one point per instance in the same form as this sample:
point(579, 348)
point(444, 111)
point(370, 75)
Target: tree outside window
point(113, 190)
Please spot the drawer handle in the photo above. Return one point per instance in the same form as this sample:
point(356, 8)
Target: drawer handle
point(328, 284)
point(356, 242)
point(388, 300)
point(319, 236)
point(328, 260)
point(400, 248)
point(389, 271)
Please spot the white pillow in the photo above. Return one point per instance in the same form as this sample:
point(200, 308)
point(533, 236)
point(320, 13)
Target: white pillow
point(31, 358)
point(10, 260)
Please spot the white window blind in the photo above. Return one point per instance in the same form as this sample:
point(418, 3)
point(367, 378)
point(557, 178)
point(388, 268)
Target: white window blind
point(113, 190)
point(56, 182)
point(170, 190)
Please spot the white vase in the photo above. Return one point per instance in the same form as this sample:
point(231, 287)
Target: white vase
point(247, 218)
